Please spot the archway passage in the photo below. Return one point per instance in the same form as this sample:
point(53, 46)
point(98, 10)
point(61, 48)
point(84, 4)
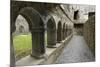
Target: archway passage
point(59, 32)
point(36, 27)
point(37, 30)
point(78, 29)
point(22, 38)
point(51, 33)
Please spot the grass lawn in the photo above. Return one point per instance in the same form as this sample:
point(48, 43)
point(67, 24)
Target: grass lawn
point(23, 45)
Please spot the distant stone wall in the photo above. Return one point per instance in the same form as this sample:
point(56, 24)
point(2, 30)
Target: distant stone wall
point(78, 29)
point(89, 33)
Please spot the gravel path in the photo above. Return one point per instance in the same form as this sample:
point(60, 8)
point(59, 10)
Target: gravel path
point(76, 51)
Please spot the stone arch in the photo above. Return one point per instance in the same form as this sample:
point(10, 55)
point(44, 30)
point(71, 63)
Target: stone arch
point(59, 32)
point(33, 17)
point(37, 29)
point(36, 26)
point(51, 33)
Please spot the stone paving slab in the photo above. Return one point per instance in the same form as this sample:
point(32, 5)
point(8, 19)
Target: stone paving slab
point(76, 51)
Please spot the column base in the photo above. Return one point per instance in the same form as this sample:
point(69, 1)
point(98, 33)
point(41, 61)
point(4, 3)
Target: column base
point(38, 56)
point(51, 46)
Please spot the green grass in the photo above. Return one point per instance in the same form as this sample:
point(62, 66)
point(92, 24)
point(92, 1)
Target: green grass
point(23, 45)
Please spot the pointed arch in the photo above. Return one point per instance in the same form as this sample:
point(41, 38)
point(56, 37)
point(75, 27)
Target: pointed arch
point(51, 33)
point(36, 26)
point(59, 32)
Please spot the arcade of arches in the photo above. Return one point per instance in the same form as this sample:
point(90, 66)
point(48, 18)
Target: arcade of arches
point(40, 19)
point(56, 31)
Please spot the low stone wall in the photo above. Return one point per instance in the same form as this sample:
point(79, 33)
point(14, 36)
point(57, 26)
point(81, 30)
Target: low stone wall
point(51, 55)
point(89, 33)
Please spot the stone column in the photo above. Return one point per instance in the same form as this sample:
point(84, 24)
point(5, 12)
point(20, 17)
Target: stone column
point(12, 54)
point(63, 34)
point(38, 47)
point(59, 35)
point(66, 33)
point(70, 31)
point(51, 38)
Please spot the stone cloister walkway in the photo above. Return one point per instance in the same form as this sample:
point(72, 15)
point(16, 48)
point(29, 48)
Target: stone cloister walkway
point(76, 51)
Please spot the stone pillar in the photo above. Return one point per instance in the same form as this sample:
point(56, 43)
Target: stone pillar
point(64, 33)
point(12, 54)
point(59, 35)
point(68, 32)
point(51, 38)
point(38, 47)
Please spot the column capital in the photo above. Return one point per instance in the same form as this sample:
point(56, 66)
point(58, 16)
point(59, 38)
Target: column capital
point(37, 29)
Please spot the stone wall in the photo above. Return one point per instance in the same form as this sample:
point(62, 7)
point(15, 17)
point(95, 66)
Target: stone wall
point(78, 29)
point(89, 32)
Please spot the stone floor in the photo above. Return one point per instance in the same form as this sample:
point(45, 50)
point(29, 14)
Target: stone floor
point(76, 51)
